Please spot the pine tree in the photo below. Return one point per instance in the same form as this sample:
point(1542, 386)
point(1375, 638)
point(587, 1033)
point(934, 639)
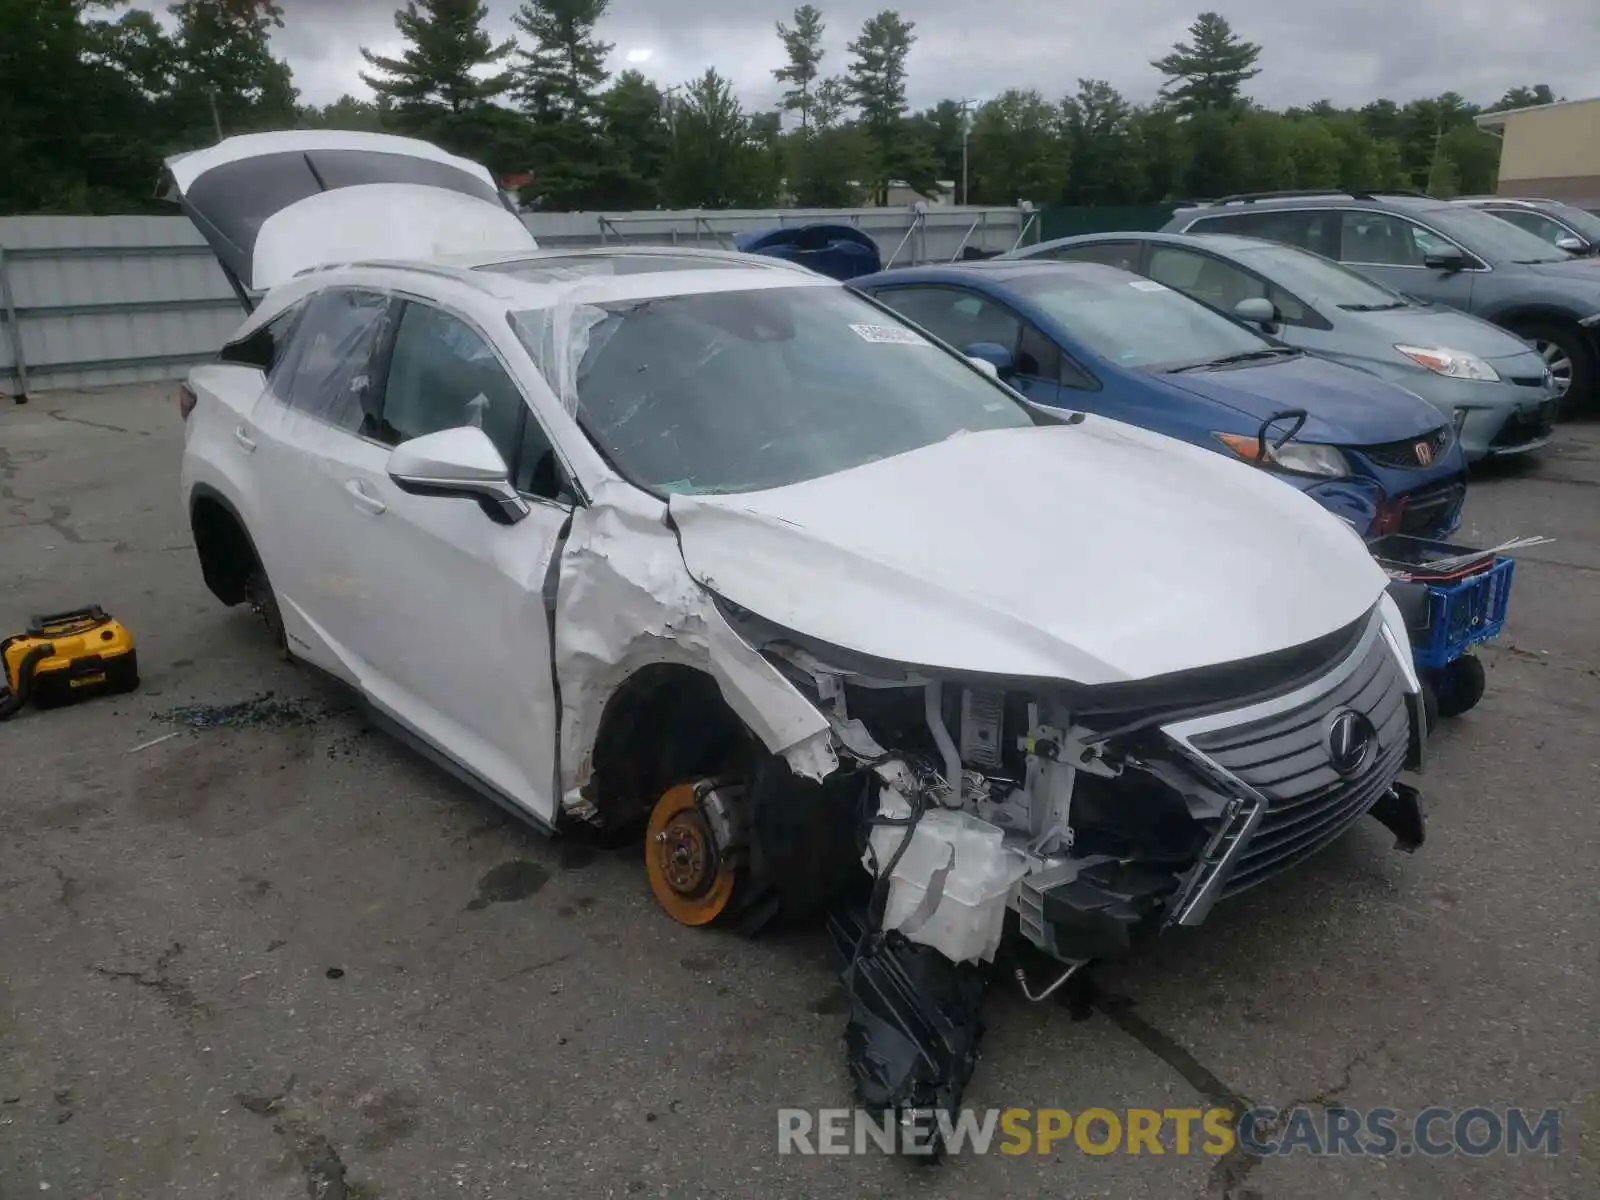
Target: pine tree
point(438, 70)
point(561, 76)
point(877, 81)
point(1207, 73)
point(802, 42)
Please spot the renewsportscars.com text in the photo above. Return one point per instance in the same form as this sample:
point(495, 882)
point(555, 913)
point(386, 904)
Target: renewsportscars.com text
point(1261, 1132)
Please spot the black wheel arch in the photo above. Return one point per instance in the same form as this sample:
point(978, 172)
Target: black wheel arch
point(228, 555)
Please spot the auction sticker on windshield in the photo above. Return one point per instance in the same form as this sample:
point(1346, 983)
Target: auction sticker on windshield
point(1148, 285)
point(889, 335)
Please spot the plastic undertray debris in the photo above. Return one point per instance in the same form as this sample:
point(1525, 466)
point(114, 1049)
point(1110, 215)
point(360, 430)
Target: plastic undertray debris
point(915, 1023)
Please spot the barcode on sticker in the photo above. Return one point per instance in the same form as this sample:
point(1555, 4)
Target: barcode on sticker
point(889, 335)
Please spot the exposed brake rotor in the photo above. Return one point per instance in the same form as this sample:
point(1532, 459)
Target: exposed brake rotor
point(689, 877)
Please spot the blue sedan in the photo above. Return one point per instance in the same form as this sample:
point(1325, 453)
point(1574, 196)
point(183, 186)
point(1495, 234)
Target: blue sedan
point(1097, 339)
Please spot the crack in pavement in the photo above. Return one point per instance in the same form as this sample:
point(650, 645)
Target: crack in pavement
point(59, 415)
point(178, 995)
point(1234, 1167)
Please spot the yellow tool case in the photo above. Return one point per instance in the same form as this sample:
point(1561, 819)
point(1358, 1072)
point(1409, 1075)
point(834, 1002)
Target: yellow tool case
point(67, 657)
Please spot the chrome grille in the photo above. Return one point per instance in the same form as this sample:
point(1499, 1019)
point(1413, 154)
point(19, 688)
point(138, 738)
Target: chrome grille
point(1284, 756)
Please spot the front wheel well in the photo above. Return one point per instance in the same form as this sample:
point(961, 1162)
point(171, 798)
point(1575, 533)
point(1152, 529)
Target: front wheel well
point(1534, 318)
point(667, 724)
point(228, 558)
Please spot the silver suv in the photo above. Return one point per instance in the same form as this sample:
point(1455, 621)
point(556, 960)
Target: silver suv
point(1440, 253)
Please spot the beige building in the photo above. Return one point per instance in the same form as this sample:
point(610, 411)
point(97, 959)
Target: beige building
point(1550, 150)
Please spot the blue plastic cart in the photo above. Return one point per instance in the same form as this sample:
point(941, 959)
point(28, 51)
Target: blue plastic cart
point(1448, 610)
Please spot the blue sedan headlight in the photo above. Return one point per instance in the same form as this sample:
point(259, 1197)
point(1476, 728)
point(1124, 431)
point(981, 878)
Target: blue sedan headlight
point(1300, 458)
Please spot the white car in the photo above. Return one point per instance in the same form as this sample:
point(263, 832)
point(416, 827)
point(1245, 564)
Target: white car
point(706, 546)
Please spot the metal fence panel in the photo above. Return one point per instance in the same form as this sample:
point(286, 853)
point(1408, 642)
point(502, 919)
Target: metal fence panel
point(95, 301)
point(1069, 221)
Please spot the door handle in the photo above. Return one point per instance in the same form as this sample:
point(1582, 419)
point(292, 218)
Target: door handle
point(364, 499)
point(241, 434)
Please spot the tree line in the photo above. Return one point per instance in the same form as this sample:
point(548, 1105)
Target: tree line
point(92, 99)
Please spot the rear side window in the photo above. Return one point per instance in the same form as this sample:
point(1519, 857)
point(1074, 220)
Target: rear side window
point(265, 347)
point(1294, 227)
point(328, 372)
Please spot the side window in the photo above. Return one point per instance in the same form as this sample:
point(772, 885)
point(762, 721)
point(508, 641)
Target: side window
point(954, 316)
point(537, 470)
point(266, 347)
point(1204, 278)
point(1381, 239)
point(1038, 356)
point(327, 372)
point(1123, 255)
point(1535, 223)
point(1300, 227)
point(443, 375)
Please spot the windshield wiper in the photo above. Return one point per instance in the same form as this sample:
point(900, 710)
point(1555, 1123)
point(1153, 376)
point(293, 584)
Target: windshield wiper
point(1228, 360)
point(1374, 307)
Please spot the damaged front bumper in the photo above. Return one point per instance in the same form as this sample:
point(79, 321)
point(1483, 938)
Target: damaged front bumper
point(1263, 786)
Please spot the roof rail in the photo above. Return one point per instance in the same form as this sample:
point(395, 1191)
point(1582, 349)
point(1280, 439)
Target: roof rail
point(1285, 194)
point(1300, 193)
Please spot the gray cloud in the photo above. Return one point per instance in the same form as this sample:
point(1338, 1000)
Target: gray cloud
point(1348, 52)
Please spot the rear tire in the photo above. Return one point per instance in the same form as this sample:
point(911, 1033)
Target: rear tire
point(1570, 358)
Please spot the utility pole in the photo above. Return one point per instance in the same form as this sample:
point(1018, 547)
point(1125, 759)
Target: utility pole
point(216, 117)
point(966, 129)
point(672, 113)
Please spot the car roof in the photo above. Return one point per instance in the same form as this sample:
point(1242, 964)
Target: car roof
point(1224, 242)
point(536, 279)
point(989, 270)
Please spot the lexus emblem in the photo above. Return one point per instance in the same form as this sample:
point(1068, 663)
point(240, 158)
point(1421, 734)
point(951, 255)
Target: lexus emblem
point(1424, 453)
point(1350, 740)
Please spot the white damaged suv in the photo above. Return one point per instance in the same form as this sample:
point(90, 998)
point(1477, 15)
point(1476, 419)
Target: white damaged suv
point(707, 547)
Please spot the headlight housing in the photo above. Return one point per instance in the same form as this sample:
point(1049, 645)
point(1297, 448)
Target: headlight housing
point(1298, 458)
point(1457, 364)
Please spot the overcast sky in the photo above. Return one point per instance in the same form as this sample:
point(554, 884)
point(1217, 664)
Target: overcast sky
point(1349, 52)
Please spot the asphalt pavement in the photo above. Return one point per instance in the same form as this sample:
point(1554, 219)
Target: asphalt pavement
point(277, 955)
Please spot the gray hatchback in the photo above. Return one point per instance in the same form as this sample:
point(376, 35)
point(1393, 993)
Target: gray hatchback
point(1492, 386)
point(1440, 252)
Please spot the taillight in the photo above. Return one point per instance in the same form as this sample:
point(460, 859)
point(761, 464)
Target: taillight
point(186, 399)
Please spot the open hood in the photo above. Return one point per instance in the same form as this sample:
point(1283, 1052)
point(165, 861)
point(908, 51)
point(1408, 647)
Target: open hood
point(1092, 553)
point(274, 204)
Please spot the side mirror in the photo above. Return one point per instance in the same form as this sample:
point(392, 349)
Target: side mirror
point(1572, 245)
point(1257, 310)
point(1445, 258)
point(460, 462)
point(997, 357)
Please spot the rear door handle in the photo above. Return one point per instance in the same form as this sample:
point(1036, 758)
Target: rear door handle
point(364, 499)
point(241, 434)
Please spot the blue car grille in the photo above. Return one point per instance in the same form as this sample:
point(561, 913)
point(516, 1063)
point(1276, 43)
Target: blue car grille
point(1411, 453)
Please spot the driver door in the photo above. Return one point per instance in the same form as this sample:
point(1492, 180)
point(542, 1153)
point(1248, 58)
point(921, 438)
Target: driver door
point(457, 634)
